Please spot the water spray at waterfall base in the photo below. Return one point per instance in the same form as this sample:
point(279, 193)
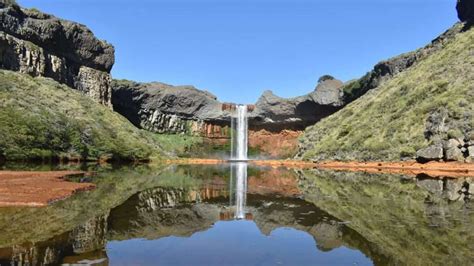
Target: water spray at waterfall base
point(239, 144)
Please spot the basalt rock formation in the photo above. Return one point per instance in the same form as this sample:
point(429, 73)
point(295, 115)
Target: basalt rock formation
point(275, 113)
point(465, 10)
point(163, 108)
point(39, 44)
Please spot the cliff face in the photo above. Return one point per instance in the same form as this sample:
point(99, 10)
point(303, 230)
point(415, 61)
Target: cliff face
point(274, 113)
point(39, 44)
point(465, 10)
point(163, 108)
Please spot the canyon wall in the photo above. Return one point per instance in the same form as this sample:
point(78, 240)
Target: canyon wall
point(39, 44)
point(163, 108)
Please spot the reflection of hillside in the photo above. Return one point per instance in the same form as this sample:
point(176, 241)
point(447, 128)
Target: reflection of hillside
point(410, 221)
point(147, 215)
point(167, 211)
point(392, 220)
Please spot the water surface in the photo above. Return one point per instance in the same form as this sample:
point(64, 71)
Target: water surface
point(242, 215)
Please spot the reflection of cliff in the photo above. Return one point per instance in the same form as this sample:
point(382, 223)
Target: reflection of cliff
point(84, 239)
point(146, 215)
point(161, 212)
point(405, 221)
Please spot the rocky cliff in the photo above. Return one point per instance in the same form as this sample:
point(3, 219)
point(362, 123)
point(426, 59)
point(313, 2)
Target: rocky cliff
point(465, 10)
point(275, 113)
point(39, 44)
point(163, 108)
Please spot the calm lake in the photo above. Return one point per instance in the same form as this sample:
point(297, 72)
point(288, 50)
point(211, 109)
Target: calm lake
point(238, 214)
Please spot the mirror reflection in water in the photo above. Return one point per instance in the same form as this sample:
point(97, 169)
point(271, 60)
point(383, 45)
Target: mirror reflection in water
point(244, 215)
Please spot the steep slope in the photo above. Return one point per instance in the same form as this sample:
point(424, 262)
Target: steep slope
point(42, 119)
point(429, 103)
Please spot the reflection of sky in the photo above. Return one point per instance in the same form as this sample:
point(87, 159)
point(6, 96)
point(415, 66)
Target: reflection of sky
point(232, 243)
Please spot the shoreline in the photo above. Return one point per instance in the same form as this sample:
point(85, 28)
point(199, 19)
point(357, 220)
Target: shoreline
point(431, 169)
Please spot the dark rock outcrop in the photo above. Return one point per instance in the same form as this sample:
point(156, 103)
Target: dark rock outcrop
point(276, 113)
point(39, 44)
point(163, 108)
point(465, 10)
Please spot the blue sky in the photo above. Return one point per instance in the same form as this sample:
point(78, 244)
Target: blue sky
point(238, 49)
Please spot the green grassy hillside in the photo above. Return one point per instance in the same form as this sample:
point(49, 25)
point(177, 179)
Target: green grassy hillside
point(389, 122)
point(42, 119)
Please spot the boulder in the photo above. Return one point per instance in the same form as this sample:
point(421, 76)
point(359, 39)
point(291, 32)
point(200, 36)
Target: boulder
point(430, 153)
point(453, 151)
point(465, 10)
point(39, 44)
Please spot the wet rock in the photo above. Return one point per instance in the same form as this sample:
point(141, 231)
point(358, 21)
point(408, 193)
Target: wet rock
point(430, 153)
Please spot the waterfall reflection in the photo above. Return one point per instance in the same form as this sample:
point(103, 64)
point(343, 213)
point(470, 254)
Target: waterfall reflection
point(239, 176)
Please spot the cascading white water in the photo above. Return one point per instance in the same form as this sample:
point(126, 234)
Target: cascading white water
point(239, 145)
point(239, 149)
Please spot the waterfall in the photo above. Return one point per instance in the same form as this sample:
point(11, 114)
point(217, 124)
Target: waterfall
point(239, 173)
point(239, 144)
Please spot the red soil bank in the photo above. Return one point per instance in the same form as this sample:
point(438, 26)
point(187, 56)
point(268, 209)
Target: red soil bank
point(433, 169)
point(28, 188)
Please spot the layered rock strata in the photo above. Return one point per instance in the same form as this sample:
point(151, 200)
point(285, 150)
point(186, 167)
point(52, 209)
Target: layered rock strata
point(39, 44)
point(163, 108)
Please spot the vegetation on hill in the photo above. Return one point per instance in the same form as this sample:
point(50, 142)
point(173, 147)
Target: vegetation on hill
point(389, 122)
point(42, 119)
